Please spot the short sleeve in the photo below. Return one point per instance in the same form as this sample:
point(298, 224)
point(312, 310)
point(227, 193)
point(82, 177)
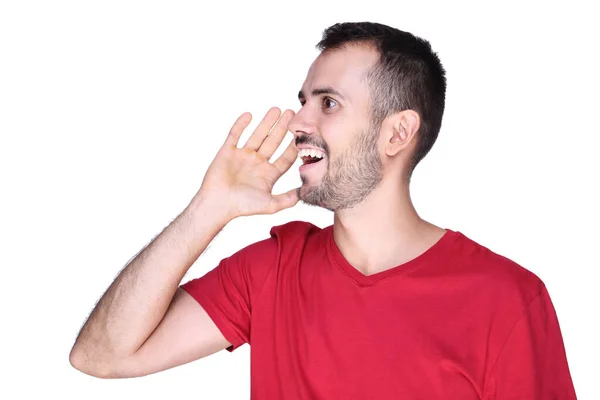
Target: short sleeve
point(532, 363)
point(228, 292)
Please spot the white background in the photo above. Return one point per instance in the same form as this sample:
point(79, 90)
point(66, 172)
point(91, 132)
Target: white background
point(110, 113)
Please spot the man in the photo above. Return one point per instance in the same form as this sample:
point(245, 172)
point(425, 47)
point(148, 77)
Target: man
point(381, 304)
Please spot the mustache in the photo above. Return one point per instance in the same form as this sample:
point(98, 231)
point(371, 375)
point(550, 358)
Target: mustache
point(310, 142)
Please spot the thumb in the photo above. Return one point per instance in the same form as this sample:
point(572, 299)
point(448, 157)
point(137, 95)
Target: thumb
point(284, 200)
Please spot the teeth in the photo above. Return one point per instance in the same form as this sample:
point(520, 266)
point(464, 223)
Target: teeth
point(310, 152)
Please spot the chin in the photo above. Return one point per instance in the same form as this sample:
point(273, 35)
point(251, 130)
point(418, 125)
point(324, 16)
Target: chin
point(304, 190)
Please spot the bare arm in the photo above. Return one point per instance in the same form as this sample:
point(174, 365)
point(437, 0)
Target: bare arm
point(143, 323)
point(136, 302)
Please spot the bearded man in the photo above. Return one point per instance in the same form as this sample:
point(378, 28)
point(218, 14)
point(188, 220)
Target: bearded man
point(381, 304)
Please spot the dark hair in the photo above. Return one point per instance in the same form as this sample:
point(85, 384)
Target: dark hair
point(408, 75)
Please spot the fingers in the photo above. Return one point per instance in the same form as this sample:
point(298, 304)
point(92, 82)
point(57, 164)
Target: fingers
point(287, 159)
point(262, 130)
point(274, 139)
point(238, 127)
point(283, 201)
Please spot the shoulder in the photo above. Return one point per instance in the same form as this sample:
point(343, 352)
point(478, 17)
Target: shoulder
point(494, 276)
point(282, 238)
point(495, 290)
point(292, 237)
point(294, 229)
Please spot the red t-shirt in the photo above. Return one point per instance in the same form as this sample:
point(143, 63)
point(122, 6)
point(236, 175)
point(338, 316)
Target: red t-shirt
point(457, 322)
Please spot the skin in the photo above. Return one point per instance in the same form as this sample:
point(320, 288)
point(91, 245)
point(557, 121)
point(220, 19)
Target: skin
point(362, 179)
point(144, 323)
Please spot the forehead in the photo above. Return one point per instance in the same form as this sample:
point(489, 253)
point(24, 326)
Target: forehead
point(343, 69)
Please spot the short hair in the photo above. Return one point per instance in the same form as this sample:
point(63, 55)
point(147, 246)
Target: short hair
point(408, 75)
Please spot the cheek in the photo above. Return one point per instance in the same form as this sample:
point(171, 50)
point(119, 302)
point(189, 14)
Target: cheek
point(336, 132)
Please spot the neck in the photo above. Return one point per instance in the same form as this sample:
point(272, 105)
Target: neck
point(383, 231)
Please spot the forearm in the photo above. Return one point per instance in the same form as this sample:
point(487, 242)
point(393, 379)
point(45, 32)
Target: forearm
point(137, 300)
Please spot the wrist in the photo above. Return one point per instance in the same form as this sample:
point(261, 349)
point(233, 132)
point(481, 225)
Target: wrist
point(209, 209)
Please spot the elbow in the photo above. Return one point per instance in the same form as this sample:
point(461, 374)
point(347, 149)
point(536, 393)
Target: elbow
point(102, 367)
point(81, 362)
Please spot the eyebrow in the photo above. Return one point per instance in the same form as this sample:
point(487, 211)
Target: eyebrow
point(323, 90)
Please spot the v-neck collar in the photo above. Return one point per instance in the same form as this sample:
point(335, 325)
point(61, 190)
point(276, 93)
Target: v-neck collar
point(436, 250)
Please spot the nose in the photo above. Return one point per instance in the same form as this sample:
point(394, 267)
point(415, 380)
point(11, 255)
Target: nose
point(302, 124)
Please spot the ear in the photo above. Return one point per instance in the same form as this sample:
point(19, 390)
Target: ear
point(400, 129)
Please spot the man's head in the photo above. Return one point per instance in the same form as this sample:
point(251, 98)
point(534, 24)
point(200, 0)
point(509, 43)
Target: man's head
point(373, 100)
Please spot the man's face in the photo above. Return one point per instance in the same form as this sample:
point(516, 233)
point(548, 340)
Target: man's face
point(335, 118)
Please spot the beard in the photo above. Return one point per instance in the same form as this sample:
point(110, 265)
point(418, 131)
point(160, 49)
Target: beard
point(349, 178)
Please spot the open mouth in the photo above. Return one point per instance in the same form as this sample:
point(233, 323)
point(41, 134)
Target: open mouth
point(310, 156)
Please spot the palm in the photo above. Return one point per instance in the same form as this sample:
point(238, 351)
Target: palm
point(244, 177)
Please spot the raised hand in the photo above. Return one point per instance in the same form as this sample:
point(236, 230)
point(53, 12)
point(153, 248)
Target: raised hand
point(241, 179)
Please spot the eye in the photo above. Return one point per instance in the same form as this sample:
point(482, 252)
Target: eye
point(328, 103)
